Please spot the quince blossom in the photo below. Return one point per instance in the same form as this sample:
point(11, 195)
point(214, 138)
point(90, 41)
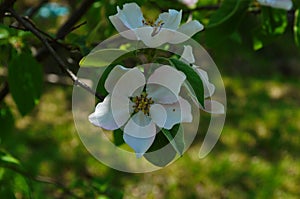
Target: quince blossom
point(131, 24)
point(211, 106)
point(282, 4)
point(142, 106)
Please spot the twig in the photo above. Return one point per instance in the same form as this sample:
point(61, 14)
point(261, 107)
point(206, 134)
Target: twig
point(4, 91)
point(63, 66)
point(75, 17)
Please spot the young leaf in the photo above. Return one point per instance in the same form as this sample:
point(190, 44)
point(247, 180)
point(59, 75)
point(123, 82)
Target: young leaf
point(25, 79)
point(192, 77)
point(176, 138)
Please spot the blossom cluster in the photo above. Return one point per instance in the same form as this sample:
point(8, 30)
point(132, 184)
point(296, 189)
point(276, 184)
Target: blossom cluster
point(139, 104)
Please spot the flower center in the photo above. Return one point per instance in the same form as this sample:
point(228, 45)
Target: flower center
point(142, 103)
point(156, 26)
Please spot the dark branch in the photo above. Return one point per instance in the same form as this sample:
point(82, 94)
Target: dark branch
point(4, 91)
point(75, 17)
point(63, 66)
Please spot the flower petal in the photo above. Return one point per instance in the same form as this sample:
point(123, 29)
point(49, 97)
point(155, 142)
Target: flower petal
point(215, 107)
point(140, 126)
point(177, 113)
point(170, 20)
point(131, 15)
point(120, 108)
point(283, 4)
point(154, 36)
point(209, 88)
point(167, 77)
point(139, 145)
point(186, 31)
point(158, 115)
point(102, 116)
point(187, 55)
point(115, 74)
point(122, 28)
point(128, 83)
point(161, 94)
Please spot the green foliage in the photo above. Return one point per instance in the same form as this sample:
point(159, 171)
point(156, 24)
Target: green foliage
point(25, 80)
point(176, 138)
point(192, 77)
point(297, 27)
point(118, 137)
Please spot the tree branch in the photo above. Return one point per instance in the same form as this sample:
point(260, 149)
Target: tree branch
point(63, 66)
point(6, 5)
point(75, 17)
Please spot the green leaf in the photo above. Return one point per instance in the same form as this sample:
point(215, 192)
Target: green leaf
point(25, 79)
point(118, 137)
point(176, 138)
point(297, 27)
point(225, 21)
point(161, 152)
point(7, 159)
point(101, 58)
point(192, 77)
point(6, 119)
point(4, 33)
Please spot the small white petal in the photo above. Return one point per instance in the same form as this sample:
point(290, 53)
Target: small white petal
point(102, 117)
point(120, 108)
point(131, 15)
point(187, 55)
point(154, 36)
point(177, 113)
point(161, 94)
point(115, 74)
point(209, 88)
point(140, 126)
point(171, 19)
point(158, 115)
point(187, 30)
point(282, 4)
point(123, 29)
point(215, 107)
point(139, 145)
point(168, 77)
point(128, 83)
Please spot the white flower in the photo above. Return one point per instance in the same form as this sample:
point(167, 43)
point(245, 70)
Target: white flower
point(131, 24)
point(211, 106)
point(282, 4)
point(189, 3)
point(142, 106)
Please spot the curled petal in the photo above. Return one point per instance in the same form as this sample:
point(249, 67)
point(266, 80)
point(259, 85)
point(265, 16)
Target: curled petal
point(215, 107)
point(140, 126)
point(158, 115)
point(209, 88)
point(139, 145)
point(171, 19)
point(177, 113)
point(122, 28)
point(282, 4)
point(186, 31)
point(102, 117)
point(187, 55)
point(167, 77)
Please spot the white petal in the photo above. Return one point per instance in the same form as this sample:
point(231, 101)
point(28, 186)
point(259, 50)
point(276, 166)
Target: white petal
point(115, 74)
point(171, 19)
point(283, 4)
point(140, 126)
point(139, 145)
point(131, 15)
point(187, 30)
point(128, 83)
point(177, 113)
point(215, 107)
point(120, 108)
point(187, 55)
point(161, 94)
point(122, 28)
point(161, 36)
point(102, 116)
point(168, 77)
point(209, 88)
point(158, 115)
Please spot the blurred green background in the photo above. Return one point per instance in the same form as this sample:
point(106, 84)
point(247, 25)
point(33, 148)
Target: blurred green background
point(257, 155)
